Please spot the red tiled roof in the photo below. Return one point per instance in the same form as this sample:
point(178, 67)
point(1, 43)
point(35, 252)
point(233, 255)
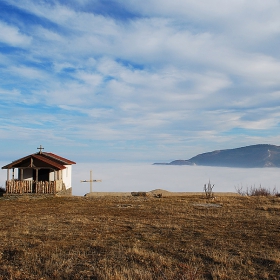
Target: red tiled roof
point(65, 160)
point(50, 159)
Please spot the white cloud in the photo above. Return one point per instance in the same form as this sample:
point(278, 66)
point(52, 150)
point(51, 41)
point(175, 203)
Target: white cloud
point(12, 36)
point(91, 79)
point(181, 72)
point(9, 94)
point(58, 67)
point(27, 72)
point(44, 34)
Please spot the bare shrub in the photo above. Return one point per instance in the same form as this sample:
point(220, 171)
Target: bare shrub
point(208, 189)
point(256, 191)
point(260, 191)
point(275, 192)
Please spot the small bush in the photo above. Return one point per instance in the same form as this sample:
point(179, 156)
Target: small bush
point(260, 192)
point(254, 191)
point(2, 190)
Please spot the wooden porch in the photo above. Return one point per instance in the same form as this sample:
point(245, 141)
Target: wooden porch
point(31, 186)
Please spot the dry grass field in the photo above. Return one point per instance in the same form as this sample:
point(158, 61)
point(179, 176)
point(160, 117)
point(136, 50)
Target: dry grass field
point(140, 238)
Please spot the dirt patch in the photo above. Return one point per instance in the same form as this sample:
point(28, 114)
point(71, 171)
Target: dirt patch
point(207, 205)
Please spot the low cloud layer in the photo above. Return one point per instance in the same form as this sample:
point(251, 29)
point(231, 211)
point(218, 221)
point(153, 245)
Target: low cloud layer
point(146, 177)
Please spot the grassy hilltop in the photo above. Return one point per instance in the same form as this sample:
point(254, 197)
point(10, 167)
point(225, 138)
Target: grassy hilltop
point(140, 238)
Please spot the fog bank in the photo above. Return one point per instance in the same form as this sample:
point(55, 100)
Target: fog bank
point(145, 177)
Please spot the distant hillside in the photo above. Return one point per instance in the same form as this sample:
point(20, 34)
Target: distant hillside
point(262, 155)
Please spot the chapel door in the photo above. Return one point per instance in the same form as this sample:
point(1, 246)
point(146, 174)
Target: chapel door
point(43, 174)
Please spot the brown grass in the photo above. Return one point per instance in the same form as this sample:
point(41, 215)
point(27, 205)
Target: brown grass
point(140, 238)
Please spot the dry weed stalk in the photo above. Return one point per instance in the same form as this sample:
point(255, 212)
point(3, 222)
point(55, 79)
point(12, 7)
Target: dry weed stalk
point(208, 189)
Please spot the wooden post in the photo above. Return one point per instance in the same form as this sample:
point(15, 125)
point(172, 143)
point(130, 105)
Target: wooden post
point(90, 180)
point(8, 174)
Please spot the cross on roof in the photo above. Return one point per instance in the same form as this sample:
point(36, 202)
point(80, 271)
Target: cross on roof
point(40, 148)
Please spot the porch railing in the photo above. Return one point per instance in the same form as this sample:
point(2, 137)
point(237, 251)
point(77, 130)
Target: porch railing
point(29, 186)
point(15, 186)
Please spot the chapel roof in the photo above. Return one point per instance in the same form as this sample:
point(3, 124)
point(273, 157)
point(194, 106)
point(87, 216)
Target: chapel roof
point(40, 160)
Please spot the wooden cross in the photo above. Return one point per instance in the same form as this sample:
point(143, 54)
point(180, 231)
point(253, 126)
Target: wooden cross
point(90, 181)
point(40, 148)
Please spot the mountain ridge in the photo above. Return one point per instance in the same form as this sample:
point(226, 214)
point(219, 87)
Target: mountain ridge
point(253, 156)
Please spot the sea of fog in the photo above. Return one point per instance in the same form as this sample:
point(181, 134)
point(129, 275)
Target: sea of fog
point(127, 177)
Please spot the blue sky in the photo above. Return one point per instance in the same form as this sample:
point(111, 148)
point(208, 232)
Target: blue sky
point(133, 80)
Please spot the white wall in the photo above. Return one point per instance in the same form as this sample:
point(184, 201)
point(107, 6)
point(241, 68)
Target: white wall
point(66, 176)
point(51, 176)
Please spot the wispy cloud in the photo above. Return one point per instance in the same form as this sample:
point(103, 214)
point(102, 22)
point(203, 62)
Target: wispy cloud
point(12, 36)
point(160, 77)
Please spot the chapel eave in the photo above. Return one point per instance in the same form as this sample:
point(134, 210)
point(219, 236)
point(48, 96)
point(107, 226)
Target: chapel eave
point(40, 160)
